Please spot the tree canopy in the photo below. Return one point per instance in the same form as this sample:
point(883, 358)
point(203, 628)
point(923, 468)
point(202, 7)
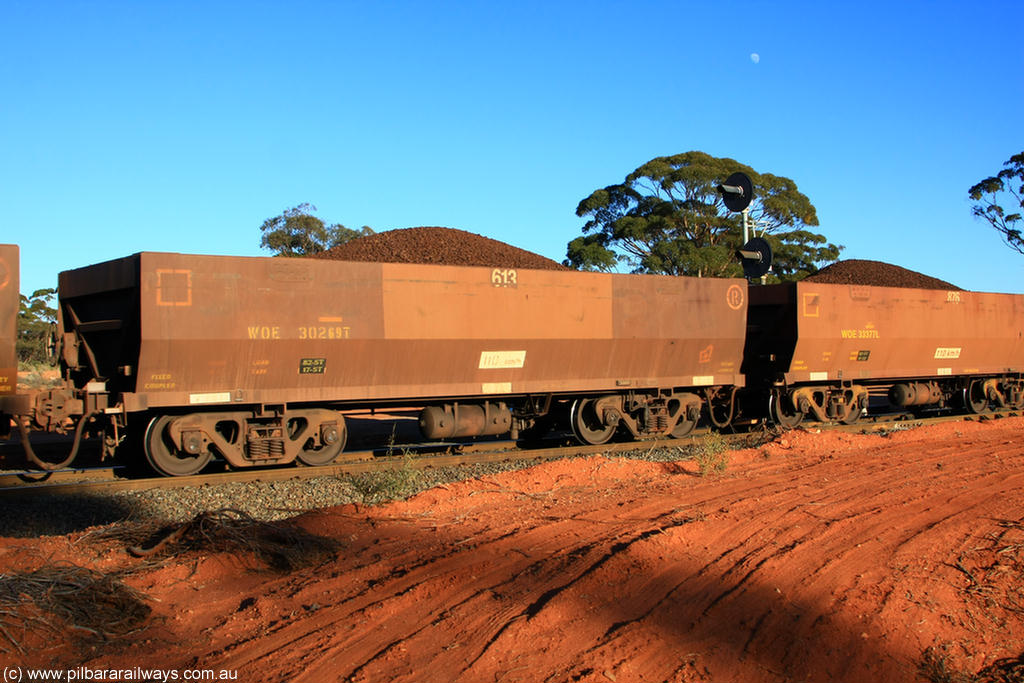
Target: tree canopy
point(1006, 187)
point(668, 217)
point(35, 315)
point(298, 232)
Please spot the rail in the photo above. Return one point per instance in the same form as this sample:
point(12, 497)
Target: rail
point(109, 479)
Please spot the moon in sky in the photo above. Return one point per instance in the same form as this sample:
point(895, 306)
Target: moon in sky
point(754, 57)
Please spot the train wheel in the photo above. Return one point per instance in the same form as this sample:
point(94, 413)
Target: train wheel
point(587, 425)
point(854, 410)
point(1018, 403)
point(974, 398)
point(783, 414)
point(165, 457)
point(852, 415)
point(686, 411)
point(683, 428)
point(332, 443)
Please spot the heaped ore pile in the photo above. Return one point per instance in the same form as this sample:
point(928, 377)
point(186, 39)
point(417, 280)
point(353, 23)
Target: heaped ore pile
point(446, 246)
point(876, 274)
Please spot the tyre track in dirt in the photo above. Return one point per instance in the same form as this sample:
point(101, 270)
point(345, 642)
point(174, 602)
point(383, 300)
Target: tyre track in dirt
point(833, 577)
point(558, 555)
point(817, 557)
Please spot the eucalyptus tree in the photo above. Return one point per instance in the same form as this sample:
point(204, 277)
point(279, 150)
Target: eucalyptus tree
point(668, 217)
point(299, 232)
point(1006, 187)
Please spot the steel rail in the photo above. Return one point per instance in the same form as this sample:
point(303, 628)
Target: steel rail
point(99, 480)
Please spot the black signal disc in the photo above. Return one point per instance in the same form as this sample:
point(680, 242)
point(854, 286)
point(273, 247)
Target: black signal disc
point(734, 201)
point(760, 265)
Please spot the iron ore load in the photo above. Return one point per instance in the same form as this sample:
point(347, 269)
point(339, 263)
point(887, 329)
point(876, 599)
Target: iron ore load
point(178, 359)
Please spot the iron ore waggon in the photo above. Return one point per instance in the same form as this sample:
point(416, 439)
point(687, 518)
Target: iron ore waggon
point(9, 301)
point(822, 349)
point(256, 360)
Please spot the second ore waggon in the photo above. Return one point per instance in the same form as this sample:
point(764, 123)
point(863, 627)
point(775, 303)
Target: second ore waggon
point(822, 349)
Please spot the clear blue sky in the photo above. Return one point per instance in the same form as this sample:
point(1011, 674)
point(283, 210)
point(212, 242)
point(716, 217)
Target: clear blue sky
point(181, 126)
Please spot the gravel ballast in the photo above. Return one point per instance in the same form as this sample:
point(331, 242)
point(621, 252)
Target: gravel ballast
point(58, 514)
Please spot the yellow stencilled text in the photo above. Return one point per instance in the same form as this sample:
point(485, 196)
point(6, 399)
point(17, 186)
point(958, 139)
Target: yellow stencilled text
point(324, 332)
point(160, 380)
point(504, 277)
point(264, 332)
point(859, 334)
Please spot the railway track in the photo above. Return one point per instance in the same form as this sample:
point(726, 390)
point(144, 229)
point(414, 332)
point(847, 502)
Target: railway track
point(19, 483)
point(357, 462)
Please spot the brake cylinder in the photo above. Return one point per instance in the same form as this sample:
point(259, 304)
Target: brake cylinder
point(456, 420)
point(915, 394)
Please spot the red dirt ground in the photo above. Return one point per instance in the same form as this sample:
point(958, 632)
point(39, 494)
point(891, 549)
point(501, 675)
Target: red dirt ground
point(821, 556)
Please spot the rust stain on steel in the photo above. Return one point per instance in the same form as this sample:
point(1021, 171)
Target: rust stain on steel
point(861, 332)
point(9, 303)
point(221, 330)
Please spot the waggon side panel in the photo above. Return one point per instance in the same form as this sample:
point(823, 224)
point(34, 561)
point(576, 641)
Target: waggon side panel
point(9, 305)
point(452, 302)
point(231, 329)
point(856, 332)
point(695, 324)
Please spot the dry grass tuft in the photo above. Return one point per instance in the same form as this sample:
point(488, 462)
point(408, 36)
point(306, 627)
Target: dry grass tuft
point(994, 575)
point(388, 484)
point(711, 454)
point(936, 668)
point(280, 546)
point(91, 605)
point(1009, 670)
point(996, 572)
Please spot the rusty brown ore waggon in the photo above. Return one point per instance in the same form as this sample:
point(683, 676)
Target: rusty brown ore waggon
point(255, 359)
point(821, 349)
point(9, 300)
